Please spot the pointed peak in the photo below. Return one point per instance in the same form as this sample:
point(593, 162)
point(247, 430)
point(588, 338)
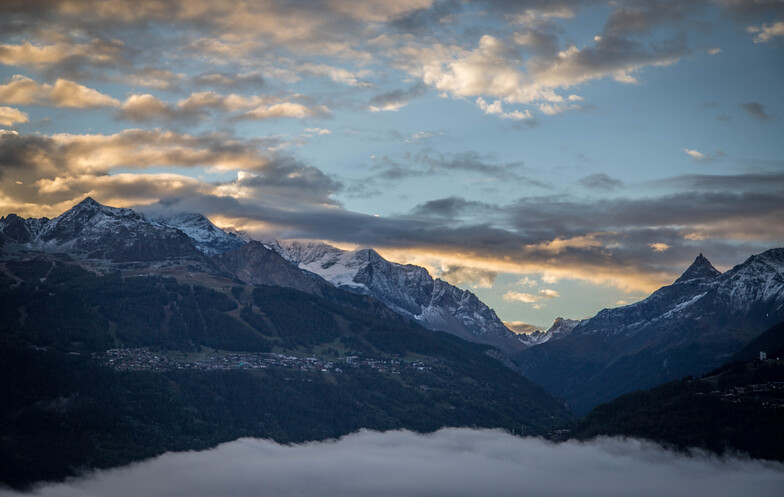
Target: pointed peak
point(89, 202)
point(700, 268)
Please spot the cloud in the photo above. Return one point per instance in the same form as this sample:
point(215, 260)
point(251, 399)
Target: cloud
point(150, 77)
point(285, 109)
point(703, 157)
point(316, 131)
point(530, 298)
point(453, 461)
point(600, 182)
point(496, 108)
point(40, 174)
point(757, 111)
point(605, 241)
point(9, 116)
point(395, 99)
point(21, 90)
point(460, 275)
point(427, 163)
point(756, 182)
point(521, 327)
point(642, 16)
point(248, 81)
point(450, 207)
point(743, 10)
point(146, 107)
point(767, 32)
point(336, 74)
point(495, 70)
point(659, 247)
point(69, 94)
point(695, 154)
point(423, 135)
point(527, 298)
point(96, 52)
point(611, 56)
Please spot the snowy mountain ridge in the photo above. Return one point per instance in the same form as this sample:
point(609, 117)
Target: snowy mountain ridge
point(206, 237)
point(687, 328)
point(91, 230)
point(405, 288)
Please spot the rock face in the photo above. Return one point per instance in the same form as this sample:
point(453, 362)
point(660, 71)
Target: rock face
point(205, 236)
point(700, 268)
point(689, 327)
point(560, 328)
point(255, 264)
point(96, 231)
point(406, 289)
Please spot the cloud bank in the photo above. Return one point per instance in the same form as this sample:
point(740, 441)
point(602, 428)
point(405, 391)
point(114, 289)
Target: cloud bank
point(454, 462)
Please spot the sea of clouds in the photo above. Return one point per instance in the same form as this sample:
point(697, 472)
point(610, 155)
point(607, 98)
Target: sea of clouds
point(452, 462)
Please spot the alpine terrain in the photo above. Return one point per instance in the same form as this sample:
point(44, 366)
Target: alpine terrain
point(124, 336)
point(690, 327)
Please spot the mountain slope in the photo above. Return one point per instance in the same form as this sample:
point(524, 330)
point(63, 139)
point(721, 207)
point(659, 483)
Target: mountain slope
point(199, 371)
point(407, 289)
point(685, 328)
point(101, 236)
point(738, 407)
point(95, 231)
point(254, 264)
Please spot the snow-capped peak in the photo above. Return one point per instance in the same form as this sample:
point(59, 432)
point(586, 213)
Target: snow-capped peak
point(560, 328)
point(406, 289)
point(206, 237)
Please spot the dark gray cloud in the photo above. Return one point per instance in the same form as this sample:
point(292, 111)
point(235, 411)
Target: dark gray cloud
point(290, 178)
point(232, 81)
point(421, 21)
point(396, 99)
point(613, 52)
point(543, 6)
point(426, 162)
point(679, 209)
point(449, 207)
point(757, 111)
point(612, 236)
point(754, 182)
point(641, 16)
point(601, 182)
point(454, 462)
point(541, 38)
point(746, 10)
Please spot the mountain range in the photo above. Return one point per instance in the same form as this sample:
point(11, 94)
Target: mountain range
point(685, 328)
point(94, 232)
point(122, 338)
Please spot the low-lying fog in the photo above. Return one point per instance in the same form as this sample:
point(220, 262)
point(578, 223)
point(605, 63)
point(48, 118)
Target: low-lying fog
point(451, 462)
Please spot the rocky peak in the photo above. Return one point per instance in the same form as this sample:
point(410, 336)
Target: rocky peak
point(700, 268)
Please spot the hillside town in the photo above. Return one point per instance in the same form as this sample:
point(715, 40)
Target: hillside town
point(140, 359)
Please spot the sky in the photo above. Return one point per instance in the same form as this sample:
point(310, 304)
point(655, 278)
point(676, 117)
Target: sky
point(453, 461)
point(554, 157)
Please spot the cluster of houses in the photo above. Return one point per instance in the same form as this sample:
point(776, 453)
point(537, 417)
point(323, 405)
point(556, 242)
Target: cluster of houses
point(137, 359)
point(392, 366)
point(766, 394)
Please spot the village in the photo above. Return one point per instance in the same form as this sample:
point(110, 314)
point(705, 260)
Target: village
point(139, 359)
point(769, 395)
